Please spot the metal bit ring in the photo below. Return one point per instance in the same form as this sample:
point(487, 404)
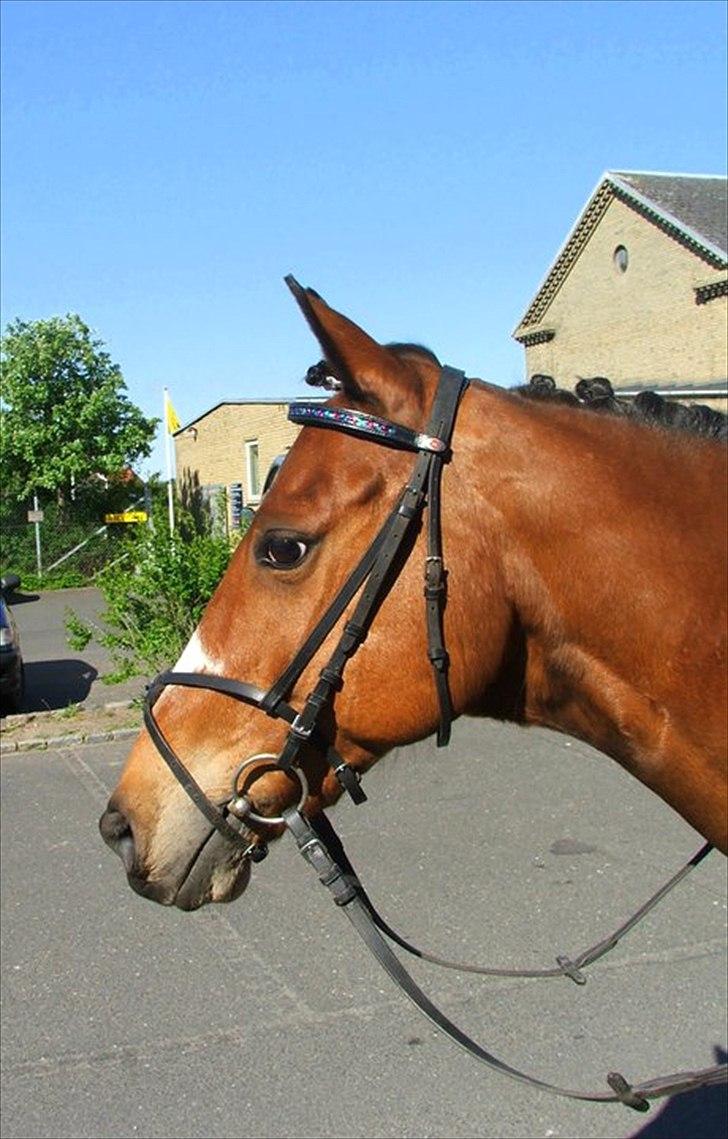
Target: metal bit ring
point(239, 805)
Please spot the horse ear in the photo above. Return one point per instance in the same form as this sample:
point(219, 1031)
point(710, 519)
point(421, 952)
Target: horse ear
point(369, 373)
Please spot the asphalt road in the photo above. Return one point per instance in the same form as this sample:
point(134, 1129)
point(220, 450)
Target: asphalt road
point(268, 1018)
point(55, 674)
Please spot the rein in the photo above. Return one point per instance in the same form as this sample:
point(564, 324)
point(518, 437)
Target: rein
point(317, 841)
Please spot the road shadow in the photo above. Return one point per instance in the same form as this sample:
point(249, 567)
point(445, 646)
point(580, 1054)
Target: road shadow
point(51, 684)
point(702, 1114)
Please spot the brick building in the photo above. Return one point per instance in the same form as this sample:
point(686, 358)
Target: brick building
point(639, 290)
point(230, 449)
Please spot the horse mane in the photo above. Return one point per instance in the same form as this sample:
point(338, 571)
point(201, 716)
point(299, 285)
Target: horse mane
point(405, 349)
point(597, 395)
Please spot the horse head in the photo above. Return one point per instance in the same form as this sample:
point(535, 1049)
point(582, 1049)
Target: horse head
point(325, 508)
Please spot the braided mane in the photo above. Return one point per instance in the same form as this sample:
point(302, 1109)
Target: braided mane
point(595, 394)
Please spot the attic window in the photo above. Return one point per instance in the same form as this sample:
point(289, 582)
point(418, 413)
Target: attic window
point(620, 257)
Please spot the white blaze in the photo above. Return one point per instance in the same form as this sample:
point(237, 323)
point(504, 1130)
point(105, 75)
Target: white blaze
point(195, 659)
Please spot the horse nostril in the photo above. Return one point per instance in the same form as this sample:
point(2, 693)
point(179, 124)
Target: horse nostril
point(117, 834)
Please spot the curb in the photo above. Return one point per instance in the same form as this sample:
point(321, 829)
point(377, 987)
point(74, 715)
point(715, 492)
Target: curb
point(43, 742)
point(53, 743)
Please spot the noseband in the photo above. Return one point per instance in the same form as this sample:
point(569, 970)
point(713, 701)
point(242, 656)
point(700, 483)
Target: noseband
point(374, 576)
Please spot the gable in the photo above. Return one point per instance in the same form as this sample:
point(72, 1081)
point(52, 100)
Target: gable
point(698, 204)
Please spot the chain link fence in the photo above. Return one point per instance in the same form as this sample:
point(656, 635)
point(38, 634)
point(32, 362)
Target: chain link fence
point(71, 541)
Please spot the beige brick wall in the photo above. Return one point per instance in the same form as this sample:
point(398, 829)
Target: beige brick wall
point(639, 326)
point(213, 450)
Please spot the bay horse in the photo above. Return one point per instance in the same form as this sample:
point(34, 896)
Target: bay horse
point(585, 591)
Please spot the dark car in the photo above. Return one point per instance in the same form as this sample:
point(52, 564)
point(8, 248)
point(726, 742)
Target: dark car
point(12, 670)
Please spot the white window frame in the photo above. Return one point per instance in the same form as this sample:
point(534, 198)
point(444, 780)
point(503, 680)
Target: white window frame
point(252, 446)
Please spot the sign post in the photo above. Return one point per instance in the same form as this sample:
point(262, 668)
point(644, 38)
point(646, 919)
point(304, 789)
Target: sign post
point(36, 516)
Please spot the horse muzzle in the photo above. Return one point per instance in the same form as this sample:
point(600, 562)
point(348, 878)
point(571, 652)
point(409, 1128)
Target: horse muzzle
point(214, 871)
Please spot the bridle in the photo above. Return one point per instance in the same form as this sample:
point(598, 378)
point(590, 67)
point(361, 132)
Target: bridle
point(372, 578)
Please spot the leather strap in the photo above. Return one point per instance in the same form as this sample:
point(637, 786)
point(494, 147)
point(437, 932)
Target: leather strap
point(347, 894)
point(379, 564)
point(452, 387)
point(566, 966)
point(362, 423)
point(225, 823)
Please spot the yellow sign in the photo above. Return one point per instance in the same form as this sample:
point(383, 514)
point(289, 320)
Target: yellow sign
point(127, 516)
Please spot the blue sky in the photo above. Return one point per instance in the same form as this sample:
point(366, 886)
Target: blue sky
point(164, 165)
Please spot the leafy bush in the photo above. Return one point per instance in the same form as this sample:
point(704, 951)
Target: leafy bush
point(155, 594)
point(61, 578)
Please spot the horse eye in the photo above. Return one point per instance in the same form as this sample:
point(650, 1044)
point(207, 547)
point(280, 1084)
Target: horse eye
point(283, 552)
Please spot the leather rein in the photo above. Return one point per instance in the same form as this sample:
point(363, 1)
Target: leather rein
point(372, 578)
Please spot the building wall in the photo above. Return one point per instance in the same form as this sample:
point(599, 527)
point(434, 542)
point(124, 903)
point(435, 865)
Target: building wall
point(640, 326)
point(212, 451)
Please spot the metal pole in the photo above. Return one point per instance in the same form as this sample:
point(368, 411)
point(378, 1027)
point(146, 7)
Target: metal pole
point(148, 505)
point(37, 539)
point(168, 453)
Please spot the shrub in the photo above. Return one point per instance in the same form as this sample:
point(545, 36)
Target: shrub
point(155, 593)
point(61, 578)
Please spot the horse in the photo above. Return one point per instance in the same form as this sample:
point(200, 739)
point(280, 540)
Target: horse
point(575, 578)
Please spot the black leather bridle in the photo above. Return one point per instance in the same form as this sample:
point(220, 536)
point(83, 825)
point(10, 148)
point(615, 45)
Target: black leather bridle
point(372, 578)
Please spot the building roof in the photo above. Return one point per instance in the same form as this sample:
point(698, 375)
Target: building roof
point(697, 204)
point(691, 208)
point(699, 389)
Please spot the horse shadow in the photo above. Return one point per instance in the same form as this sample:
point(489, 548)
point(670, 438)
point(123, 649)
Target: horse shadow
point(53, 684)
point(702, 1113)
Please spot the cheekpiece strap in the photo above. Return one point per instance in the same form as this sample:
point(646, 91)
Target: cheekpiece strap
point(364, 424)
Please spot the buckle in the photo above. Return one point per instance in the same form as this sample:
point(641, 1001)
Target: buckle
point(569, 969)
point(299, 731)
point(625, 1094)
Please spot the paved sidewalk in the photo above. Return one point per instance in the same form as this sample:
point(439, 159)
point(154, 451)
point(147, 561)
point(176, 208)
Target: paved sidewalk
point(56, 675)
point(79, 724)
point(267, 1017)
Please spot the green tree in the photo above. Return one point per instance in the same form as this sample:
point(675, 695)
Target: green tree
point(64, 414)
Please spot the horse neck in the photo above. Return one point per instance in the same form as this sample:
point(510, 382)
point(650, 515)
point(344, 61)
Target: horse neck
point(586, 526)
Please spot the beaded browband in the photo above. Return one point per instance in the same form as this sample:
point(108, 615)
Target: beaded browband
point(362, 423)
